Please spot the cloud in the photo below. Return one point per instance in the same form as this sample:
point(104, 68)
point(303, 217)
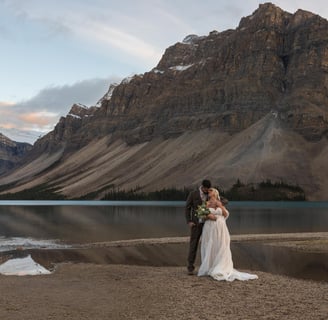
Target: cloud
point(38, 119)
point(111, 37)
point(21, 135)
point(34, 117)
point(61, 98)
point(6, 103)
point(7, 125)
point(91, 24)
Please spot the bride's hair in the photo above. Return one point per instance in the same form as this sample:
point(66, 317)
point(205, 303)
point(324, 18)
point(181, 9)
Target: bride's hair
point(216, 193)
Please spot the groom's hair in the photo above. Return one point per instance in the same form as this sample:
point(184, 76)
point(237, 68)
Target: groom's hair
point(206, 183)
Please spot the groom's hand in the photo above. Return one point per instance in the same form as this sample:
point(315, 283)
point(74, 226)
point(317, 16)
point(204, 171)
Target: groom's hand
point(191, 224)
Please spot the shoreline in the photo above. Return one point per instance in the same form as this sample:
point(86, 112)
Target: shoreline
point(117, 280)
point(298, 255)
point(286, 238)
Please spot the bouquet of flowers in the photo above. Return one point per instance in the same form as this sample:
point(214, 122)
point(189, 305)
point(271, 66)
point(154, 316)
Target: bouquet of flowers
point(202, 211)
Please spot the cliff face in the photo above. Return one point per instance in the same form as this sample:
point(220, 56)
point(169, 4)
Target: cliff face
point(273, 61)
point(11, 152)
point(274, 65)
point(68, 132)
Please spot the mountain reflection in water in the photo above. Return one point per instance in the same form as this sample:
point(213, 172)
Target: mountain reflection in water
point(96, 221)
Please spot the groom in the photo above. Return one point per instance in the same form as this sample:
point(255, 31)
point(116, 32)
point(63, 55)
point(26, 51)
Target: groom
point(195, 199)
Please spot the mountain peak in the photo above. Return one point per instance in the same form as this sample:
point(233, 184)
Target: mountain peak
point(301, 16)
point(107, 96)
point(79, 110)
point(268, 6)
point(267, 14)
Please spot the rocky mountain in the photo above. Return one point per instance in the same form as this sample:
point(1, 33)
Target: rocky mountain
point(249, 103)
point(11, 152)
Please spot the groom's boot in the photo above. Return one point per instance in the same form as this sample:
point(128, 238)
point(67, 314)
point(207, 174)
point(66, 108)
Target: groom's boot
point(191, 272)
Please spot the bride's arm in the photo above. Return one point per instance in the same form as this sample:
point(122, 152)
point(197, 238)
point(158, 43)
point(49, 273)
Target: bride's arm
point(225, 212)
point(211, 216)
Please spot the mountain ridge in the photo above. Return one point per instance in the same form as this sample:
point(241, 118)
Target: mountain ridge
point(206, 93)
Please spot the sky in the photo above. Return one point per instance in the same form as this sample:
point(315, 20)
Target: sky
point(55, 53)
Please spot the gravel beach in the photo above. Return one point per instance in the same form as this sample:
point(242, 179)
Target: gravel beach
point(88, 290)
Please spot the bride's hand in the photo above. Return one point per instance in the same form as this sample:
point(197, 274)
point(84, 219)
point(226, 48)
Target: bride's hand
point(219, 204)
point(211, 216)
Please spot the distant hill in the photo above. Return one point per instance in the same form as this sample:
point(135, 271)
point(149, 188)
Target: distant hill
point(11, 152)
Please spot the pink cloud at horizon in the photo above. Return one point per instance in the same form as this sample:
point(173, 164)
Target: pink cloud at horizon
point(6, 103)
point(41, 118)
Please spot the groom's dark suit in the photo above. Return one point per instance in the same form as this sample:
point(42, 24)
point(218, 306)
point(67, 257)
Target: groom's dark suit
point(193, 201)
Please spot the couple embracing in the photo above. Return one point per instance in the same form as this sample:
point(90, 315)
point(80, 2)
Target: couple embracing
point(216, 259)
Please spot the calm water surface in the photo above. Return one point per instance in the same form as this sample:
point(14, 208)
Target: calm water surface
point(31, 222)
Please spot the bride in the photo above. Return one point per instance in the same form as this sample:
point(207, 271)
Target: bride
point(215, 244)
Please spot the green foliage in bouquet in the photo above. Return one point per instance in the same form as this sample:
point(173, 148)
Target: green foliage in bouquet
point(202, 211)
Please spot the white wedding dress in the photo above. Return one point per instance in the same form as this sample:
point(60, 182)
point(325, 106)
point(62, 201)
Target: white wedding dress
point(215, 251)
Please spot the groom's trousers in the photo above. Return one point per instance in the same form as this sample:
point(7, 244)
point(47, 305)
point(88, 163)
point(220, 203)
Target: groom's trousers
point(195, 233)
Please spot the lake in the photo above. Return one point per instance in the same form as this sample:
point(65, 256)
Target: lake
point(45, 223)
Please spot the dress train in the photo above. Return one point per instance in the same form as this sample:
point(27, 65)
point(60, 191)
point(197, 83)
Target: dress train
point(215, 251)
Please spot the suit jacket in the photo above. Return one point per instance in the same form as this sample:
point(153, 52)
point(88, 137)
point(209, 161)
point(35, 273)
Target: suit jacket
point(193, 201)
